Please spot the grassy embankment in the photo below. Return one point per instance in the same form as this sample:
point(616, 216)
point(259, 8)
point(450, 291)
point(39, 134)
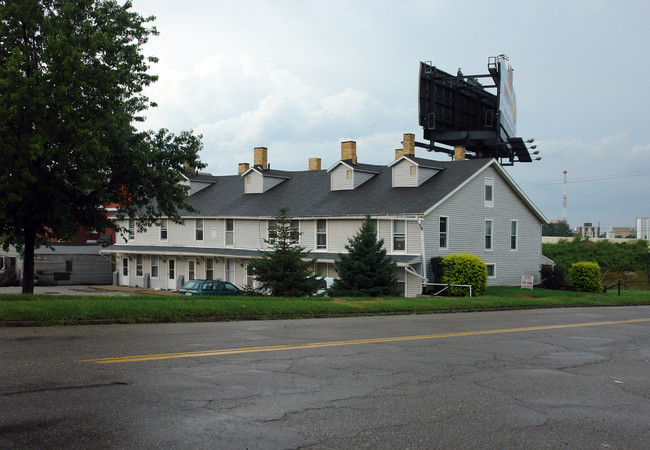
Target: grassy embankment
point(16, 309)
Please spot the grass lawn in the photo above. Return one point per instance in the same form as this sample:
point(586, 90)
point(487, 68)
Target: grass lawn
point(42, 310)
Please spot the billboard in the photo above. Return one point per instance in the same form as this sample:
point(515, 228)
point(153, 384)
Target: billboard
point(477, 112)
point(507, 99)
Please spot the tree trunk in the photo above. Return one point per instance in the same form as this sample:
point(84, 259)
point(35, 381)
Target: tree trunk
point(28, 262)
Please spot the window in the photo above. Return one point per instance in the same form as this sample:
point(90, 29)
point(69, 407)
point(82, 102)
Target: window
point(154, 266)
point(294, 232)
point(513, 235)
point(443, 232)
point(163, 230)
point(209, 269)
point(131, 229)
point(138, 265)
point(68, 266)
point(399, 235)
point(191, 269)
point(125, 267)
point(321, 269)
point(348, 174)
point(489, 193)
point(230, 232)
point(248, 179)
point(413, 170)
point(488, 234)
point(491, 270)
point(321, 234)
point(272, 231)
point(198, 229)
point(250, 279)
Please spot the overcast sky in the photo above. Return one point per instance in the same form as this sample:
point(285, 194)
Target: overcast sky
point(300, 76)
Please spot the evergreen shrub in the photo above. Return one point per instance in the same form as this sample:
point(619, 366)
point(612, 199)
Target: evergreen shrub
point(552, 277)
point(463, 268)
point(586, 276)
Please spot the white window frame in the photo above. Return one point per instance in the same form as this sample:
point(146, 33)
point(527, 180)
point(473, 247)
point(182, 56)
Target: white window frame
point(488, 233)
point(250, 279)
point(139, 266)
point(131, 230)
point(271, 231)
point(488, 192)
point(401, 235)
point(164, 230)
point(155, 262)
point(494, 270)
point(294, 232)
point(191, 269)
point(209, 269)
point(514, 237)
point(443, 233)
point(229, 233)
point(198, 230)
point(322, 232)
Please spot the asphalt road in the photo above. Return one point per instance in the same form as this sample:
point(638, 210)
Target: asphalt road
point(554, 378)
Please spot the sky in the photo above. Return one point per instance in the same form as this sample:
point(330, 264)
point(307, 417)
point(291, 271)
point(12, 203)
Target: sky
point(299, 77)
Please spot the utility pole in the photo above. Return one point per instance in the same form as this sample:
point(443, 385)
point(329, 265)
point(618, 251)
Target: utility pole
point(564, 199)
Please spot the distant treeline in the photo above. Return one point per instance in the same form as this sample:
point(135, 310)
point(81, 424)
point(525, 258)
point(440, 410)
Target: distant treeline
point(613, 257)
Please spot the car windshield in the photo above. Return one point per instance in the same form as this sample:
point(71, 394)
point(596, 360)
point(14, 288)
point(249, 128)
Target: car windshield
point(191, 285)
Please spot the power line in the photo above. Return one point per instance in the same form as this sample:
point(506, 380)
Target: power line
point(590, 179)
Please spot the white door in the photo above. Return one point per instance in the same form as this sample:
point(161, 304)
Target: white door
point(171, 273)
point(125, 272)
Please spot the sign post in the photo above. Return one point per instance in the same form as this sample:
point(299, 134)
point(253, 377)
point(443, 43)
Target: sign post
point(527, 282)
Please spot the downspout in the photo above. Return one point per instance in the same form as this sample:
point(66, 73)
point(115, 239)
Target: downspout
point(424, 259)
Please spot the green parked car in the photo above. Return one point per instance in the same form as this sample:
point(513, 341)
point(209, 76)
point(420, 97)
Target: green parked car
point(209, 287)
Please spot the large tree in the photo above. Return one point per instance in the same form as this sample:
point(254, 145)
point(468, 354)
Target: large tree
point(366, 270)
point(72, 74)
point(285, 269)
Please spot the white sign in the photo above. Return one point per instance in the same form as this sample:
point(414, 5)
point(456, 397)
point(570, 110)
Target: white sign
point(527, 282)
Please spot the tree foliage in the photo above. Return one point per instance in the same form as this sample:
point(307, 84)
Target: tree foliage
point(559, 229)
point(72, 75)
point(366, 270)
point(610, 256)
point(286, 269)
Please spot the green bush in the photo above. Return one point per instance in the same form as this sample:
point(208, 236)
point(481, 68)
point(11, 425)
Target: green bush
point(586, 276)
point(463, 268)
point(552, 277)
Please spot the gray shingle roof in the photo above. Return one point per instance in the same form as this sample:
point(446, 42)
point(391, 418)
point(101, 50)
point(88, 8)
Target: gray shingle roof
point(308, 194)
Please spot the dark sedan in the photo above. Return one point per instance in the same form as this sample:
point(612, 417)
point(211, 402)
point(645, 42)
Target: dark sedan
point(209, 287)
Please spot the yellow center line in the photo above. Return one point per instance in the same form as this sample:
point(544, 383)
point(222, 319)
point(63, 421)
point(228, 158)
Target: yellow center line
point(273, 348)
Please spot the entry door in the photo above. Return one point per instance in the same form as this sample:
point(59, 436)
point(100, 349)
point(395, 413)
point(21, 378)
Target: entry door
point(171, 273)
point(230, 270)
point(125, 271)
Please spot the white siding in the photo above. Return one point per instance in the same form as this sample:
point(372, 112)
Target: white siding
point(466, 230)
point(402, 174)
point(254, 183)
point(424, 173)
point(339, 178)
point(360, 177)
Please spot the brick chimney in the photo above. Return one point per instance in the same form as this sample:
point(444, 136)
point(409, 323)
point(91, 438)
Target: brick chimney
point(409, 144)
point(243, 167)
point(314, 163)
point(349, 151)
point(261, 158)
point(459, 153)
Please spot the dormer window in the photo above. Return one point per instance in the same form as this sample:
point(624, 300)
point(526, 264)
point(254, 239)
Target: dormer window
point(409, 171)
point(345, 176)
